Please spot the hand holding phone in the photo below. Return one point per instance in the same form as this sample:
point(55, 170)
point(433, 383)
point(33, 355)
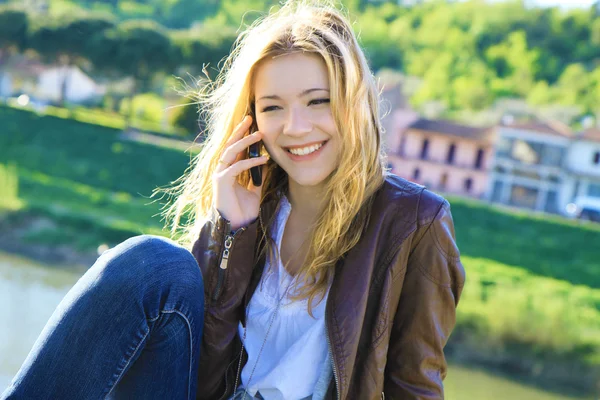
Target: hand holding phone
point(236, 203)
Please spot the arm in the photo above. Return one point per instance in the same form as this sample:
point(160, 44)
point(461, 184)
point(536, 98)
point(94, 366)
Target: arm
point(426, 312)
point(223, 292)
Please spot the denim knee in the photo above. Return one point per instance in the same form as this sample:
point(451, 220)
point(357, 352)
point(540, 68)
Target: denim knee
point(148, 263)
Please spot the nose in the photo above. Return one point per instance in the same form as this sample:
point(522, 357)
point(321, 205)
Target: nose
point(297, 122)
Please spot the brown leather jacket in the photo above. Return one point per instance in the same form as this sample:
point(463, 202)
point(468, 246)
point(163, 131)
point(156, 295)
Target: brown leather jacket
point(390, 309)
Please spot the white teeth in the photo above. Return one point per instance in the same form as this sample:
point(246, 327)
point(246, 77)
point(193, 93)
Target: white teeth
point(306, 150)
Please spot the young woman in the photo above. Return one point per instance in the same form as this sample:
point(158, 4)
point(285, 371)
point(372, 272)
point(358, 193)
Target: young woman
point(332, 279)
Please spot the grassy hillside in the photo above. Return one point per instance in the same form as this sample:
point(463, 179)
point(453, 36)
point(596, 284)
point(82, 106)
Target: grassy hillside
point(89, 183)
point(531, 305)
point(549, 246)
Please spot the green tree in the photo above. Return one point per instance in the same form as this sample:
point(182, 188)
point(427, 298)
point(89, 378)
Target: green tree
point(374, 37)
point(514, 63)
point(540, 94)
point(204, 46)
point(183, 13)
point(13, 33)
point(574, 85)
point(63, 40)
point(136, 48)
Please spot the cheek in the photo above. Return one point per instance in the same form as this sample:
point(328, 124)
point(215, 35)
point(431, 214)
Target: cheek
point(326, 120)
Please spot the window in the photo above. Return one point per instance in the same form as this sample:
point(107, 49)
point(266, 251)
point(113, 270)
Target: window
point(593, 190)
point(551, 205)
point(451, 151)
point(425, 149)
point(468, 185)
point(504, 146)
point(597, 158)
point(479, 159)
point(416, 174)
point(522, 196)
point(552, 155)
point(497, 191)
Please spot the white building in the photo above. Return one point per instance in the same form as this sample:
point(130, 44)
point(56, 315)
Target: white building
point(80, 87)
point(527, 168)
point(583, 166)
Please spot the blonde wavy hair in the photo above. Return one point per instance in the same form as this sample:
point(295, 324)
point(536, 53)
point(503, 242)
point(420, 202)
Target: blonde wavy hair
point(314, 27)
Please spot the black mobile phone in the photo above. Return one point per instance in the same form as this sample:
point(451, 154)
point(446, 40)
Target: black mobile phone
point(253, 152)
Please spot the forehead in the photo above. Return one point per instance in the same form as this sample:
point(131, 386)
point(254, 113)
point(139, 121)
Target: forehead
point(290, 74)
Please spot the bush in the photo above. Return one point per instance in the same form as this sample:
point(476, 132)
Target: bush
point(185, 115)
point(147, 107)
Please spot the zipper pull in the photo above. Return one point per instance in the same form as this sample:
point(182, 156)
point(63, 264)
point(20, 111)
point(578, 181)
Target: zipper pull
point(225, 258)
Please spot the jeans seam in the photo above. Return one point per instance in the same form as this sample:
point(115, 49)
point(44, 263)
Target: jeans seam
point(189, 326)
point(187, 321)
point(127, 363)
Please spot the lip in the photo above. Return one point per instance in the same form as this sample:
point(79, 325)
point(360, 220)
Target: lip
point(308, 157)
point(304, 145)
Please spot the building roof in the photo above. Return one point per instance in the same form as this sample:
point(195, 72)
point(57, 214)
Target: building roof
point(592, 134)
point(451, 128)
point(550, 127)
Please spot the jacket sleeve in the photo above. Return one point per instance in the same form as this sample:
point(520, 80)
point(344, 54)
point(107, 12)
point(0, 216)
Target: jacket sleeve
point(226, 260)
point(426, 312)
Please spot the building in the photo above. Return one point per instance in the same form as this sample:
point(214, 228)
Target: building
point(527, 167)
point(23, 74)
point(444, 156)
point(79, 86)
point(583, 166)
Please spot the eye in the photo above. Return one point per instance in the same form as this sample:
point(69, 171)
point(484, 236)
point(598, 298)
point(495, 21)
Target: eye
point(270, 108)
point(318, 101)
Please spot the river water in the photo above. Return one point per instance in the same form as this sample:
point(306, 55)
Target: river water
point(29, 293)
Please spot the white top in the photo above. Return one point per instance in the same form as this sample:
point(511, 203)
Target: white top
point(296, 350)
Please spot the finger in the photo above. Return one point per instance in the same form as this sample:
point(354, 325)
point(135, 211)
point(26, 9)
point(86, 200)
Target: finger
point(237, 151)
point(240, 130)
point(244, 165)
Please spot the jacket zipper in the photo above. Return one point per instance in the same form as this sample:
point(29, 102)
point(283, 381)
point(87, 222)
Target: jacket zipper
point(223, 267)
point(223, 263)
point(335, 373)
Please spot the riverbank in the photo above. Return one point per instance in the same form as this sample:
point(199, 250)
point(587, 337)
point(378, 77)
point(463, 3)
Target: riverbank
point(63, 255)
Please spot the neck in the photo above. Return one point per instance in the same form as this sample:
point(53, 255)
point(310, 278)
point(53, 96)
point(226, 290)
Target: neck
point(306, 201)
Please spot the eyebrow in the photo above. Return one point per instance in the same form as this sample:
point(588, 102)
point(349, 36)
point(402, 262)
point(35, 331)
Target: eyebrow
point(304, 93)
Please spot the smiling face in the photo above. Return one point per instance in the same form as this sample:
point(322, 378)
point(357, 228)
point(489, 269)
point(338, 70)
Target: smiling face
point(294, 115)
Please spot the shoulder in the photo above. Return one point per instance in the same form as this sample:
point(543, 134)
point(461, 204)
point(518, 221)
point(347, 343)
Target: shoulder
point(424, 218)
point(406, 201)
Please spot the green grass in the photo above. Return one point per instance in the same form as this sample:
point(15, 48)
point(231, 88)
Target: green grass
point(548, 246)
point(535, 325)
point(9, 182)
point(518, 305)
point(473, 384)
point(85, 153)
point(89, 184)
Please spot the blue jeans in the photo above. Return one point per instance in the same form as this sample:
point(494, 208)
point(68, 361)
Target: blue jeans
point(130, 328)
